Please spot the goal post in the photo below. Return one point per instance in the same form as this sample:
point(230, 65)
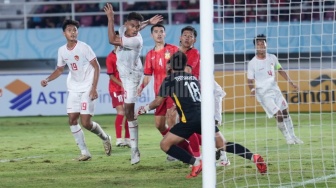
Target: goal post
point(207, 84)
point(302, 35)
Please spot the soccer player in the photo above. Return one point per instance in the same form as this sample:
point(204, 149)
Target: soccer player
point(156, 60)
point(187, 41)
point(82, 87)
point(261, 73)
point(117, 95)
point(129, 65)
point(184, 88)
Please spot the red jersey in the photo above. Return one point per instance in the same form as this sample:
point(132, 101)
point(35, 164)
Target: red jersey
point(111, 65)
point(156, 64)
point(193, 60)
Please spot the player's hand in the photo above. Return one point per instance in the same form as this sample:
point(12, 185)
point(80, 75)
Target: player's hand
point(93, 94)
point(142, 110)
point(108, 9)
point(295, 87)
point(155, 19)
point(0, 92)
point(139, 90)
point(44, 83)
point(252, 92)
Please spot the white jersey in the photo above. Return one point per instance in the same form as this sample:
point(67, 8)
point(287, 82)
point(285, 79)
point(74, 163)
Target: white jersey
point(81, 71)
point(128, 55)
point(262, 71)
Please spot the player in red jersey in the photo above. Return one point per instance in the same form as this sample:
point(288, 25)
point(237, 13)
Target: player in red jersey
point(117, 95)
point(156, 60)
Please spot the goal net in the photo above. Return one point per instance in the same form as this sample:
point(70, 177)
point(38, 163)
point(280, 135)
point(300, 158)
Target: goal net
point(302, 35)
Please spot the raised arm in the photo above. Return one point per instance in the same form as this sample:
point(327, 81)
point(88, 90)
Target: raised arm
point(152, 21)
point(113, 38)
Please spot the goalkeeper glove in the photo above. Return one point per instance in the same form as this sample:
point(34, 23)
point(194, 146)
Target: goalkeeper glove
point(143, 109)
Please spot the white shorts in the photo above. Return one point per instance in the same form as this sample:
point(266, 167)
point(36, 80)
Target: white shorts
point(272, 101)
point(218, 94)
point(80, 102)
point(130, 82)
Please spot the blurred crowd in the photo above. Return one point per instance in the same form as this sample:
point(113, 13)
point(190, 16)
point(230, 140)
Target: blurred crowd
point(187, 12)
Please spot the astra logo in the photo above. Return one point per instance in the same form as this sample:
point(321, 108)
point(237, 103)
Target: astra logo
point(321, 92)
point(23, 94)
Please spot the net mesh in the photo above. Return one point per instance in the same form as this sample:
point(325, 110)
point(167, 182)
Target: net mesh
point(302, 35)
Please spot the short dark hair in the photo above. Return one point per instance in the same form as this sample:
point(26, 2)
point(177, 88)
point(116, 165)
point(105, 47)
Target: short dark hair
point(135, 16)
point(259, 37)
point(189, 28)
point(69, 22)
point(116, 32)
point(178, 61)
point(157, 25)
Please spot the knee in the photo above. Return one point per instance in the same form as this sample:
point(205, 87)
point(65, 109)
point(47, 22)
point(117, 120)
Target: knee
point(164, 146)
point(73, 121)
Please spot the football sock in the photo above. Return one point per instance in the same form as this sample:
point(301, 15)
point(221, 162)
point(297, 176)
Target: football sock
point(127, 134)
point(181, 154)
point(78, 134)
point(238, 149)
point(282, 127)
point(118, 125)
point(165, 132)
point(289, 125)
point(96, 129)
point(185, 145)
point(194, 144)
point(133, 130)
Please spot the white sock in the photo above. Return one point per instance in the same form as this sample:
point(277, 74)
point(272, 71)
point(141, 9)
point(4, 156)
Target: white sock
point(133, 130)
point(96, 129)
point(78, 134)
point(223, 155)
point(282, 127)
point(289, 125)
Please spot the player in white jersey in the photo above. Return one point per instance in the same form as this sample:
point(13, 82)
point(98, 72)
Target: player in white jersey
point(261, 73)
point(129, 65)
point(82, 87)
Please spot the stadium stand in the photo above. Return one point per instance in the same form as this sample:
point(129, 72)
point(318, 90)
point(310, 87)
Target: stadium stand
point(48, 14)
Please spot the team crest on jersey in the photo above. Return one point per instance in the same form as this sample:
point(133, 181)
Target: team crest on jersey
point(76, 57)
point(167, 55)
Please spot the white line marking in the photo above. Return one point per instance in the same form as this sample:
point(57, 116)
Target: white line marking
point(19, 159)
point(315, 180)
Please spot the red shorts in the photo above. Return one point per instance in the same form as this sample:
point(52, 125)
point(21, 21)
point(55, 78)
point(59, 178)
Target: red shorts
point(117, 98)
point(165, 105)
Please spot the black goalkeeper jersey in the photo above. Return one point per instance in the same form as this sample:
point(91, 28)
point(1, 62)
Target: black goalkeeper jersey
point(184, 89)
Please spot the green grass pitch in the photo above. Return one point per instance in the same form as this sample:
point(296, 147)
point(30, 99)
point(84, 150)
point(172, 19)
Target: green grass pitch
point(38, 152)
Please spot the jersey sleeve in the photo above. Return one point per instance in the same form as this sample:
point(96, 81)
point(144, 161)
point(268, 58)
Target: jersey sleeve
point(60, 62)
point(165, 87)
point(148, 68)
point(89, 54)
point(250, 70)
point(277, 65)
point(193, 58)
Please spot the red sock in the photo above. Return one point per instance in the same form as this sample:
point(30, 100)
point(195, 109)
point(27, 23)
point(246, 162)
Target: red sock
point(194, 144)
point(118, 125)
point(185, 145)
point(165, 132)
point(127, 134)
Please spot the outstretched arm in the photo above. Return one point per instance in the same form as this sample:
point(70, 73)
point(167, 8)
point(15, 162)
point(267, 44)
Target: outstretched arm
point(250, 83)
point(286, 77)
point(113, 38)
point(152, 21)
